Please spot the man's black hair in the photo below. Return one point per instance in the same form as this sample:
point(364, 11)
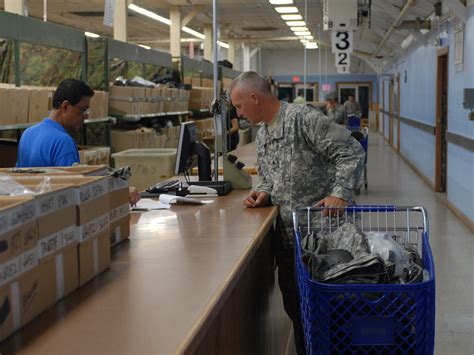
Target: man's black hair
point(72, 90)
point(351, 94)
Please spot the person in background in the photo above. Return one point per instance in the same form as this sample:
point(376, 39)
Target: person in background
point(334, 109)
point(304, 159)
point(50, 142)
point(298, 100)
point(232, 129)
point(351, 106)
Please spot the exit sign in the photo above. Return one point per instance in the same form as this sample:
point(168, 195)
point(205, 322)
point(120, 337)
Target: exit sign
point(296, 79)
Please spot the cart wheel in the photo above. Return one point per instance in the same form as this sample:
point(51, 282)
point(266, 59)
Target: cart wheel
point(357, 191)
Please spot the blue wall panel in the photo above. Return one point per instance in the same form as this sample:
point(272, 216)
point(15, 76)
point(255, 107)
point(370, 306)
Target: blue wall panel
point(417, 147)
point(461, 179)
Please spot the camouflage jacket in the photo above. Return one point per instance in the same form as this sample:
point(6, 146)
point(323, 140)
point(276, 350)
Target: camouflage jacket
point(338, 114)
point(352, 108)
point(306, 158)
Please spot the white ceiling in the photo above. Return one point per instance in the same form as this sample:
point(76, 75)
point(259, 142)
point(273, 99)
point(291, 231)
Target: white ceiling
point(236, 19)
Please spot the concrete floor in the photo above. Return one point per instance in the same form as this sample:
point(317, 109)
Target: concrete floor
point(392, 181)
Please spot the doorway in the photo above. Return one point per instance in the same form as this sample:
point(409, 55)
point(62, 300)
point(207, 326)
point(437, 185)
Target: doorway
point(441, 121)
point(394, 119)
point(362, 92)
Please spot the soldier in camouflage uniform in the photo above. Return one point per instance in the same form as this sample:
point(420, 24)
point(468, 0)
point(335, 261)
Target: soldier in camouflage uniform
point(335, 110)
point(303, 159)
point(351, 106)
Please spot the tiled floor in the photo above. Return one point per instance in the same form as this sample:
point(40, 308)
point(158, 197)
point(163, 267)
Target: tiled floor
point(392, 181)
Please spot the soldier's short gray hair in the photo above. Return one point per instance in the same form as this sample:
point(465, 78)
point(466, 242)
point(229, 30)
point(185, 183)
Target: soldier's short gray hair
point(251, 81)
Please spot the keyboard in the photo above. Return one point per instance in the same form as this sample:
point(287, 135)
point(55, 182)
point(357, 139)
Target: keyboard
point(164, 186)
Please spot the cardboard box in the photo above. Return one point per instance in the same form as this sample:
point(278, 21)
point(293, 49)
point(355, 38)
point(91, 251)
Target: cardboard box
point(25, 298)
point(94, 257)
point(56, 208)
point(63, 268)
point(90, 170)
point(99, 105)
point(14, 104)
point(122, 100)
point(196, 82)
point(118, 192)
point(120, 231)
point(40, 103)
point(91, 193)
point(18, 226)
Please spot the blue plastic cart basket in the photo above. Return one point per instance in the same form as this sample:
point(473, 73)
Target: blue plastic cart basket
point(368, 319)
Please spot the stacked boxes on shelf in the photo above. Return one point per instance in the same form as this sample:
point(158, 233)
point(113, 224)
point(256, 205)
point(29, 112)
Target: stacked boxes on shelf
point(127, 100)
point(144, 138)
point(94, 155)
point(205, 128)
point(99, 105)
point(200, 98)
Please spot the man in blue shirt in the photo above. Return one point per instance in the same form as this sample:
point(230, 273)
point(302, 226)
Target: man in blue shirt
point(50, 142)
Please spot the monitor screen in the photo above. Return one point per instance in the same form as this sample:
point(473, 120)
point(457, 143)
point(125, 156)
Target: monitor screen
point(188, 146)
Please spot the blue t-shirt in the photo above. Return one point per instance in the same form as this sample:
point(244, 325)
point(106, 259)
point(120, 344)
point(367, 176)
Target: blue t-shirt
point(46, 144)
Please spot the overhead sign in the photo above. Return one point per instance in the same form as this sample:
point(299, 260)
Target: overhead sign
point(342, 41)
point(109, 9)
point(296, 79)
point(342, 47)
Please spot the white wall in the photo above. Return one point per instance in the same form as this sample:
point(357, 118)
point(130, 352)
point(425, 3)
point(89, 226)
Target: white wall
point(291, 62)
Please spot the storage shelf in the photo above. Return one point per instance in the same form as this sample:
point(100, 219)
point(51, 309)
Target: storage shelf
point(15, 127)
point(136, 118)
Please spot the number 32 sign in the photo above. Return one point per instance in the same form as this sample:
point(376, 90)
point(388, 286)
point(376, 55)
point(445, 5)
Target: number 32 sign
point(342, 46)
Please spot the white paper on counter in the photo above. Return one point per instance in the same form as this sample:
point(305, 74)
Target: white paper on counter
point(168, 199)
point(150, 204)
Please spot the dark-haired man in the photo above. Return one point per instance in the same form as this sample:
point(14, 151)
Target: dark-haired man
point(50, 142)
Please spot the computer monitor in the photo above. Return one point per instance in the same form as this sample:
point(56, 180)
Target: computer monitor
point(188, 147)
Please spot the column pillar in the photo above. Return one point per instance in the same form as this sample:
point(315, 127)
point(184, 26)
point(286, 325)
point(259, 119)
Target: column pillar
point(246, 57)
point(175, 31)
point(208, 43)
point(19, 7)
point(231, 53)
point(120, 21)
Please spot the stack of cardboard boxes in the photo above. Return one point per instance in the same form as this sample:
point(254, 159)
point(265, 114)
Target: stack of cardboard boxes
point(56, 240)
point(205, 128)
point(140, 138)
point(30, 104)
point(127, 100)
point(200, 98)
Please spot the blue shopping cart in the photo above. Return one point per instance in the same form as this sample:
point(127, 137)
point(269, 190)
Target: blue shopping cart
point(368, 318)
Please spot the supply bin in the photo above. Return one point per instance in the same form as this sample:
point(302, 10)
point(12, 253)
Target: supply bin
point(148, 166)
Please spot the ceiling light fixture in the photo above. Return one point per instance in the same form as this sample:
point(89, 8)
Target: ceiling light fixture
point(311, 45)
point(144, 46)
point(150, 14)
point(156, 17)
point(91, 34)
point(291, 17)
point(295, 23)
point(305, 33)
point(281, 2)
point(286, 9)
point(299, 28)
point(308, 37)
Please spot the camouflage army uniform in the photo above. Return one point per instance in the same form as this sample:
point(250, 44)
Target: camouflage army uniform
point(303, 160)
point(338, 114)
point(352, 108)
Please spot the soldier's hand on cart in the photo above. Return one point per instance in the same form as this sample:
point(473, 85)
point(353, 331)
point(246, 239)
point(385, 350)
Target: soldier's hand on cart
point(333, 204)
point(133, 195)
point(257, 199)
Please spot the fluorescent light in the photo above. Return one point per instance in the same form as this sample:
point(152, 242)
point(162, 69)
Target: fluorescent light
point(296, 23)
point(223, 44)
point(306, 33)
point(192, 32)
point(291, 17)
point(308, 37)
point(299, 29)
point(281, 2)
point(286, 9)
point(144, 46)
point(311, 45)
point(149, 14)
point(304, 41)
point(91, 34)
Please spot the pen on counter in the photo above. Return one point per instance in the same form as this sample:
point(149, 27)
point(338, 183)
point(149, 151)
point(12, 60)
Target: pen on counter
point(138, 209)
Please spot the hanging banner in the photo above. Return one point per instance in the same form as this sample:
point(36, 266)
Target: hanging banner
point(109, 9)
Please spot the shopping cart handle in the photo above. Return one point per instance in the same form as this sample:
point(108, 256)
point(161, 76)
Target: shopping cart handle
point(370, 208)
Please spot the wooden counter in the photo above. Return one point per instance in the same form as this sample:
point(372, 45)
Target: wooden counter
point(192, 279)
